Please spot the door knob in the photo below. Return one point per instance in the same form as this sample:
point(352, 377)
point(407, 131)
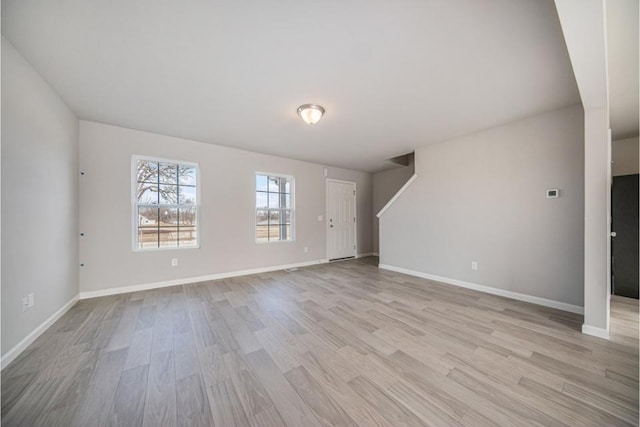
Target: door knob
point(613, 234)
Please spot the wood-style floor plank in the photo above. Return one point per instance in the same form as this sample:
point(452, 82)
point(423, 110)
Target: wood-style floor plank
point(226, 406)
point(160, 405)
point(397, 414)
point(250, 389)
point(128, 404)
point(340, 344)
point(192, 402)
point(291, 407)
point(96, 402)
point(326, 410)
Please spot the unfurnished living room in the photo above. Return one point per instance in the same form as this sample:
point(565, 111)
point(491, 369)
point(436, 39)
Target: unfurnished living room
point(305, 213)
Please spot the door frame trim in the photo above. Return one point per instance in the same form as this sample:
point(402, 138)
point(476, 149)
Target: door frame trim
point(326, 208)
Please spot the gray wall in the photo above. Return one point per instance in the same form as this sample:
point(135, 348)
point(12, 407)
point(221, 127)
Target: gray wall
point(385, 185)
point(227, 217)
point(39, 198)
point(482, 198)
point(625, 156)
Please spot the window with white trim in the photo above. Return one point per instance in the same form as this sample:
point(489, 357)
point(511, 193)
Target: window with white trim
point(165, 197)
point(274, 208)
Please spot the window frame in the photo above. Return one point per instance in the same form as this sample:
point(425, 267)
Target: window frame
point(135, 206)
point(292, 202)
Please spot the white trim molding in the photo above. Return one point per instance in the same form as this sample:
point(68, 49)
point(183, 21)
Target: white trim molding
point(595, 331)
point(395, 197)
point(188, 280)
point(366, 254)
point(10, 355)
point(489, 290)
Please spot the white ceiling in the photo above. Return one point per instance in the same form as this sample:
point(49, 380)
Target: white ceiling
point(622, 46)
point(392, 75)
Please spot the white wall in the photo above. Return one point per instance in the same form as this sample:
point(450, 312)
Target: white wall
point(227, 217)
point(39, 199)
point(482, 198)
point(626, 156)
point(385, 185)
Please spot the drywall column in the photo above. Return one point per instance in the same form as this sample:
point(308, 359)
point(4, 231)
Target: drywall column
point(584, 28)
point(597, 227)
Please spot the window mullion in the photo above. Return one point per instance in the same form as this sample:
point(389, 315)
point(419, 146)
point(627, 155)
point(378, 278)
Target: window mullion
point(268, 185)
point(154, 218)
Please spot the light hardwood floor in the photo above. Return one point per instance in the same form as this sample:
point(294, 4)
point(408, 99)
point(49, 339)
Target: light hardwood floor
point(342, 344)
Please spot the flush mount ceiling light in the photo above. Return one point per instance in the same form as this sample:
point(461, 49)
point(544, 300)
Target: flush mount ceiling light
point(310, 113)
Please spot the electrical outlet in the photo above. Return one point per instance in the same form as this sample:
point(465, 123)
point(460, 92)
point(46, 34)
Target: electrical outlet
point(474, 265)
point(174, 262)
point(25, 303)
point(32, 299)
point(306, 249)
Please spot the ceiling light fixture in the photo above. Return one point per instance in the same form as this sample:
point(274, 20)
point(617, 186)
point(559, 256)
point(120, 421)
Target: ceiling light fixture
point(310, 113)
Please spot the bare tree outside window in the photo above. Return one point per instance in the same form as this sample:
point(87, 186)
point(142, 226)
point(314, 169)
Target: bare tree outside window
point(166, 204)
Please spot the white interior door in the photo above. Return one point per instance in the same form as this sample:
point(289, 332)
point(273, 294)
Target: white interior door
point(341, 219)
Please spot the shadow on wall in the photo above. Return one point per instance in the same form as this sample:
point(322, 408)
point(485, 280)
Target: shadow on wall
point(386, 184)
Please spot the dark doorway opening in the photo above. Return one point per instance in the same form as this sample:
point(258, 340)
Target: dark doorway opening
point(625, 269)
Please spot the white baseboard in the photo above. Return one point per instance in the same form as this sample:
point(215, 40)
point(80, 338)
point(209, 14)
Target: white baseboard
point(10, 355)
point(375, 254)
point(489, 290)
point(594, 331)
point(187, 280)
point(366, 254)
